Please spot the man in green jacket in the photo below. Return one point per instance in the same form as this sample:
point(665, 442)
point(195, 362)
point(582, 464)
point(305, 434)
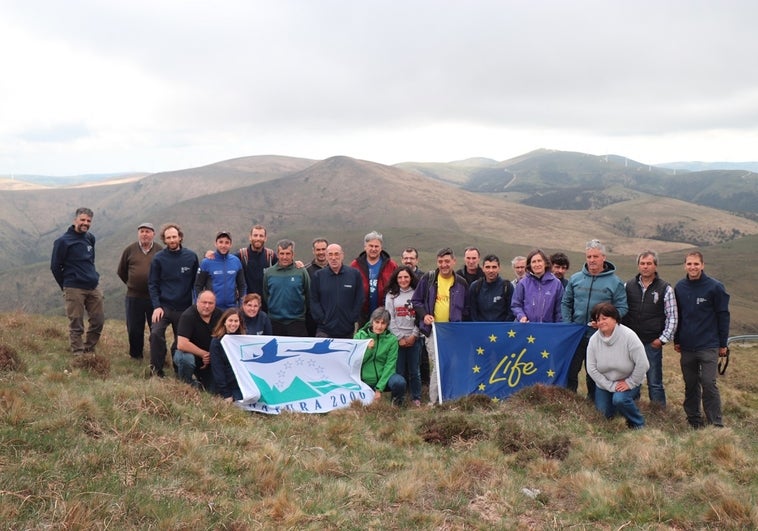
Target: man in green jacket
point(286, 292)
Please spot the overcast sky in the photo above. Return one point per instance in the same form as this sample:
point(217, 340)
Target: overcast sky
point(93, 86)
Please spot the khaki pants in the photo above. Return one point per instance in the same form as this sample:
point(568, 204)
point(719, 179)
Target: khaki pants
point(79, 301)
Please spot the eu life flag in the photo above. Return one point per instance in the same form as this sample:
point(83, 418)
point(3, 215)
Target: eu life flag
point(497, 359)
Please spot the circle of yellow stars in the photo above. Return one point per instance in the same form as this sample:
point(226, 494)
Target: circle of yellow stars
point(493, 339)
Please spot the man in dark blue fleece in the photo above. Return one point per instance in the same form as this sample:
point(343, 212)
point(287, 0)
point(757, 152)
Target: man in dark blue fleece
point(700, 339)
point(336, 296)
point(170, 283)
point(73, 266)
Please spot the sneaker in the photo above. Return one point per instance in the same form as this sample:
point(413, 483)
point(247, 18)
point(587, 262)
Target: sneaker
point(417, 403)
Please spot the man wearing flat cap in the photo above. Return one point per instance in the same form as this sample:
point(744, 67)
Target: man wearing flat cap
point(133, 270)
point(223, 274)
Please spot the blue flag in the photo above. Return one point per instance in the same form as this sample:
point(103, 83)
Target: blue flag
point(497, 359)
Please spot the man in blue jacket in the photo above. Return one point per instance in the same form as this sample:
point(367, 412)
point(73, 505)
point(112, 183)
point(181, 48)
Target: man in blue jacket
point(73, 266)
point(596, 282)
point(170, 283)
point(336, 296)
point(700, 339)
point(490, 296)
point(222, 274)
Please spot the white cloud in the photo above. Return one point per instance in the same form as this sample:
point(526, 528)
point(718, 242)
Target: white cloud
point(106, 86)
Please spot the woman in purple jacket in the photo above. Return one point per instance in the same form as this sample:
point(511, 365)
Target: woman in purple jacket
point(538, 295)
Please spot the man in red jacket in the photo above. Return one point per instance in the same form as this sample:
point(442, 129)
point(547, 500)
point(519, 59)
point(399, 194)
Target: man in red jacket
point(376, 268)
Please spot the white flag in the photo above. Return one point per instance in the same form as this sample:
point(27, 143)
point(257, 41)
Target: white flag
point(298, 374)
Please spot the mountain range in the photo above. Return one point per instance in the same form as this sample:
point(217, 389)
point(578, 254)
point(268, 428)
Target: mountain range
point(550, 199)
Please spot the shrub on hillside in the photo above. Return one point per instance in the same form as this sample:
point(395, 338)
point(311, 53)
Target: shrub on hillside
point(94, 363)
point(446, 429)
point(9, 360)
point(531, 443)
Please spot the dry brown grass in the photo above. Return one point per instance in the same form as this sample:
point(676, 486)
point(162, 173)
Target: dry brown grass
point(96, 364)
point(79, 450)
point(9, 359)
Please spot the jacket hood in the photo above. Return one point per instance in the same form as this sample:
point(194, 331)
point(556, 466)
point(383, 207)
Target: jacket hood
point(546, 277)
point(608, 269)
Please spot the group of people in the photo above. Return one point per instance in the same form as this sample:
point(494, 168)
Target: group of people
point(257, 290)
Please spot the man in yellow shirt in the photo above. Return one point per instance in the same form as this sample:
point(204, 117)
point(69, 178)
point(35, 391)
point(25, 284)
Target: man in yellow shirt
point(441, 296)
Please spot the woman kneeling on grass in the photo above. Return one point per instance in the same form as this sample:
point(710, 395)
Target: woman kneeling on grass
point(379, 366)
point(617, 362)
point(226, 382)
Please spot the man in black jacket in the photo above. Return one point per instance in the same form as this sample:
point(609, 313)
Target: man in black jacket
point(336, 296)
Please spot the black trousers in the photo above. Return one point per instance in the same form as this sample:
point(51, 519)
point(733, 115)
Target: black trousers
point(291, 329)
point(579, 359)
point(139, 313)
point(158, 339)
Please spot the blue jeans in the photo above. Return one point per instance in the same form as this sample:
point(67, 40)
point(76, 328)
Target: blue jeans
point(579, 359)
point(622, 402)
point(187, 366)
point(655, 389)
point(408, 365)
point(396, 385)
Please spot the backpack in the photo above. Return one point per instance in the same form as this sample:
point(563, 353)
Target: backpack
point(245, 256)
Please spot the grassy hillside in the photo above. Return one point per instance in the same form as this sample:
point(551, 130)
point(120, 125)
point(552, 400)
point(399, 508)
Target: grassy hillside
point(342, 199)
point(91, 443)
point(573, 181)
point(458, 172)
